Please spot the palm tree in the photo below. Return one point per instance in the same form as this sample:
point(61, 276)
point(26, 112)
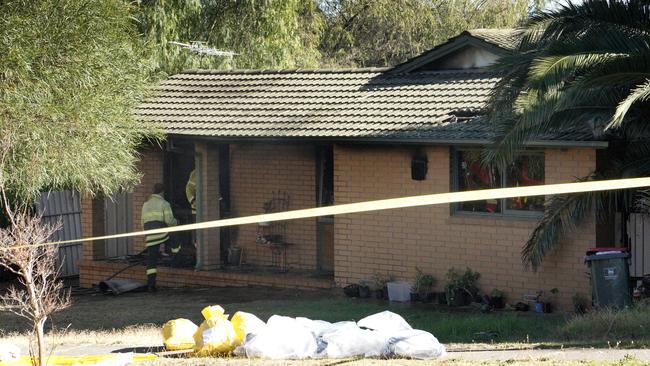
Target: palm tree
point(579, 68)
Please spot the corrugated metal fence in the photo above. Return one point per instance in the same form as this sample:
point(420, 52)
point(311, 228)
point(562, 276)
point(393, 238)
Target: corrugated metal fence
point(63, 207)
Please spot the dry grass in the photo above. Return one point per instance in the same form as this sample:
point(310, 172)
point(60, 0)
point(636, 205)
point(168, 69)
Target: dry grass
point(630, 325)
point(141, 335)
point(627, 361)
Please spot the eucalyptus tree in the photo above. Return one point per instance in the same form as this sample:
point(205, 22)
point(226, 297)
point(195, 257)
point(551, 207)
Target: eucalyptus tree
point(386, 32)
point(579, 68)
point(71, 74)
point(264, 34)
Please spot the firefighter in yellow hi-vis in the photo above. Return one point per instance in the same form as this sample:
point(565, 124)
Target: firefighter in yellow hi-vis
point(190, 191)
point(156, 214)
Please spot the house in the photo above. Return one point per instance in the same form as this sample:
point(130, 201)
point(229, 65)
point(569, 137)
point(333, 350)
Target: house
point(268, 140)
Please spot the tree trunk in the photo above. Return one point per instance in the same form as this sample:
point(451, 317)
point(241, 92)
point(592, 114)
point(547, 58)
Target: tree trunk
point(39, 317)
point(40, 336)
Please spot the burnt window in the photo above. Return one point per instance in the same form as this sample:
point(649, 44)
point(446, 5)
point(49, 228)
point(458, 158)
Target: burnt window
point(471, 174)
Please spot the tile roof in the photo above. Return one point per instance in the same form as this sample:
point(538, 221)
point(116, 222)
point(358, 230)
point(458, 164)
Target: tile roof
point(504, 38)
point(362, 103)
point(354, 104)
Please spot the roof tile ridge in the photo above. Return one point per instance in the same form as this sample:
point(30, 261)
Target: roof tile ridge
point(283, 71)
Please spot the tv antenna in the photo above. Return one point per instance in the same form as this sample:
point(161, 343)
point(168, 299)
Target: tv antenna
point(200, 48)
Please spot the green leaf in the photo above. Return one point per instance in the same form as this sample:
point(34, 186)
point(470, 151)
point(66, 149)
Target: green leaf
point(639, 94)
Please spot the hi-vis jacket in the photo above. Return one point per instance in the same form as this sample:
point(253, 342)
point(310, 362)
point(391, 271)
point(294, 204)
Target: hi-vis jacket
point(190, 191)
point(156, 214)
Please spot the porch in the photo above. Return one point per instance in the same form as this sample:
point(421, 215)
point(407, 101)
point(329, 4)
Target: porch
point(232, 179)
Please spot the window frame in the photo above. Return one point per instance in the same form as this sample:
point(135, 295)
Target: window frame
point(504, 211)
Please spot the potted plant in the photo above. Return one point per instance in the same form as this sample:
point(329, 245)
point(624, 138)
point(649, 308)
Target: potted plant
point(497, 299)
point(542, 302)
point(422, 286)
point(380, 284)
point(461, 287)
point(442, 298)
point(364, 289)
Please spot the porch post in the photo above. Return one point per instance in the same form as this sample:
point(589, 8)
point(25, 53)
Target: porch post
point(92, 224)
point(207, 208)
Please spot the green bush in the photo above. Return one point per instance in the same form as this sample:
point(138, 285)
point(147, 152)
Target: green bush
point(423, 282)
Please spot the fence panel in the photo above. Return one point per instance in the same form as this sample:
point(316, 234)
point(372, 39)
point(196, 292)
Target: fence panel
point(63, 208)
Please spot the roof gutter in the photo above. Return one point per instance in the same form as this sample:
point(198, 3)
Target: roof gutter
point(393, 141)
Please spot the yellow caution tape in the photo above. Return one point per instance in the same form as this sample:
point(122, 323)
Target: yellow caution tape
point(387, 204)
point(110, 359)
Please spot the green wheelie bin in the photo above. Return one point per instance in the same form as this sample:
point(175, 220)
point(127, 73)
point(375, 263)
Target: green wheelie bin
point(610, 279)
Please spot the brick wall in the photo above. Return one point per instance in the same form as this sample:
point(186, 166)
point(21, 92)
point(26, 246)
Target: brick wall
point(256, 172)
point(395, 241)
point(92, 225)
point(207, 180)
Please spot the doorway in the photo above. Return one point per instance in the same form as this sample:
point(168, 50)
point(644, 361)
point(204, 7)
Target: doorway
point(179, 163)
point(325, 197)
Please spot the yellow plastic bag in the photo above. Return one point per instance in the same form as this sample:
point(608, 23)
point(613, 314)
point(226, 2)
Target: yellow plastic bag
point(178, 334)
point(216, 335)
point(245, 323)
point(214, 311)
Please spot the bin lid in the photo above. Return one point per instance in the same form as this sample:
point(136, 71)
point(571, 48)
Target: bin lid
point(597, 257)
point(592, 251)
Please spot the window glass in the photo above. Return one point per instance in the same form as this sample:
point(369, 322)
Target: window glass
point(527, 170)
point(473, 175)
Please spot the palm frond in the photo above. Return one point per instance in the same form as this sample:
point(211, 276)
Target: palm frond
point(560, 217)
point(639, 94)
point(632, 14)
point(551, 72)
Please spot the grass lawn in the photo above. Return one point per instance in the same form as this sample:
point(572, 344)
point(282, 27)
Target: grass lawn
point(142, 310)
point(134, 319)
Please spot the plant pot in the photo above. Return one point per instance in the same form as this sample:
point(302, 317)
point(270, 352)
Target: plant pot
point(497, 302)
point(428, 298)
point(546, 308)
point(364, 292)
point(415, 297)
point(442, 298)
point(379, 294)
point(459, 297)
point(385, 290)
